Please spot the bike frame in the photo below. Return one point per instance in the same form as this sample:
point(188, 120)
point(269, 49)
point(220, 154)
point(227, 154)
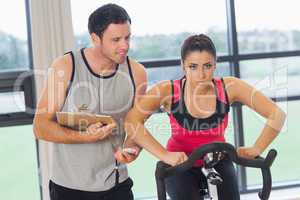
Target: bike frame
point(164, 170)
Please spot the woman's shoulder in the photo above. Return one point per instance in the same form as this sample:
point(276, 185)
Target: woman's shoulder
point(236, 87)
point(163, 86)
point(231, 80)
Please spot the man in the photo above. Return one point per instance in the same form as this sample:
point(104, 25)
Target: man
point(100, 80)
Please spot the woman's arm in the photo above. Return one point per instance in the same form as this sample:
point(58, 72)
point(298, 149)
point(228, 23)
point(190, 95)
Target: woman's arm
point(239, 91)
point(157, 96)
point(140, 81)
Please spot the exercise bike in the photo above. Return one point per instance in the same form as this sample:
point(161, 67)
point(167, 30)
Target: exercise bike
point(211, 154)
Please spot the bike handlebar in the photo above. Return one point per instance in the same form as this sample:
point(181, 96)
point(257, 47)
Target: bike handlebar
point(164, 170)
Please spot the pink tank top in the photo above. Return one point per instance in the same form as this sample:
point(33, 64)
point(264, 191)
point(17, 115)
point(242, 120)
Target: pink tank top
point(188, 132)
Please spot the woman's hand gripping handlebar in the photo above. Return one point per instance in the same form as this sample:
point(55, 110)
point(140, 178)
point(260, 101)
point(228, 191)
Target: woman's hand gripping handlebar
point(164, 170)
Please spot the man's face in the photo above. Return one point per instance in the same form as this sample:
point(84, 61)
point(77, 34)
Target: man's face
point(114, 43)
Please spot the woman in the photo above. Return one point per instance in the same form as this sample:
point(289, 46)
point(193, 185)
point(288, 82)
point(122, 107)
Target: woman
point(198, 106)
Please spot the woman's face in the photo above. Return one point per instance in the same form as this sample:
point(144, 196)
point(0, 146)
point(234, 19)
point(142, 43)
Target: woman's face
point(199, 67)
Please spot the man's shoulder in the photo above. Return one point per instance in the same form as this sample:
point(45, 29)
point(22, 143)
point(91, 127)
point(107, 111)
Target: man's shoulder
point(62, 68)
point(139, 72)
point(64, 63)
point(136, 66)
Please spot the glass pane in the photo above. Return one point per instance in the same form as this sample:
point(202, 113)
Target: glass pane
point(12, 102)
point(158, 74)
point(159, 35)
point(19, 174)
point(286, 167)
point(144, 183)
point(277, 77)
point(13, 36)
point(267, 26)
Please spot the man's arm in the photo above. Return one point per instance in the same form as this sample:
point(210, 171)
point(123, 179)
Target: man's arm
point(51, 100)
point(140, 79)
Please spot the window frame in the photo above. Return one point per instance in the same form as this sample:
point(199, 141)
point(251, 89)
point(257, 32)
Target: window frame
point(8, 80)
point(7, 84)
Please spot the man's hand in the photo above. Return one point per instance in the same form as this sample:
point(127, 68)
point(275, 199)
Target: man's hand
point(175, 158)
point(249, 152)
point(98, 131)
point(127, 155)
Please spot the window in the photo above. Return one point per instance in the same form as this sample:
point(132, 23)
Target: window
point(277, 77)
point(144, 184)
point(157, 74)
point(11, 102)
point(16, 77)
point(19, 174)
point(19, 169)
point(267, 26)
point(13, 36)
point(160, 35)
point(286, 145)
